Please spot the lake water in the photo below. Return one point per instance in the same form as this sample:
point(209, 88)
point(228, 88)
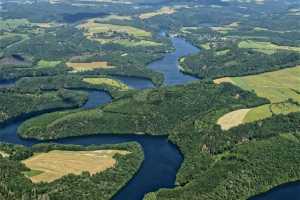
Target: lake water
point(169, 64)
point(289, 191)
point(7, 84)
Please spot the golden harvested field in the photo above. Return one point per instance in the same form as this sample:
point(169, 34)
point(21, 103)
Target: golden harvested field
point(107, 81)
point(163, 11)
point(280, 87)
point(80, 67)
point(223, 80)
point(56, 164)
point(232, 119)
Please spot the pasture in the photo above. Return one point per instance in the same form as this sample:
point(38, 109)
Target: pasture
point(163, 11)
point(107, 81)
point(265, 47)
point(82, 67)
point(91, 27)
point(136, 43)
point(113, 17)
point(47, 64)
point(128, 36)
point(227, 28)
point(281, 88)
point(47, 167)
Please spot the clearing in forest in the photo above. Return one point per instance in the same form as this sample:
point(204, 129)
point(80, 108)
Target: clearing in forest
point(163, 11)
point(128, 36)
point(113, 17)
point(232, 119)
point(227, 28)
point(281, 87)
point(92, 27)
point(266, 47)
point(107, 81)
point(48, 64)
point(47, 167)
point(81, 67)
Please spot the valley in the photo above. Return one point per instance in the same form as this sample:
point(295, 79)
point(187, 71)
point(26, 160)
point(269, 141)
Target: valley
point(149, 100)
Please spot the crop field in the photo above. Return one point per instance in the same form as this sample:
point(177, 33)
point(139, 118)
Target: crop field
point(162, 11)
point(265, 47)
point(281, 87)
point(126, 36)
point(113, 17)
point(47, 167)
point(47, 64)
point(81, 67)
point(92, 27)
point(232, 119)
point(136, 43)
point(227, 28)
point(107, 81)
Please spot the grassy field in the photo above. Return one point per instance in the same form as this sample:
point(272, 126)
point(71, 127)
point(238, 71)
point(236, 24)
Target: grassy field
point(136, 43)
point(265, 47)
point(81, 67)
point(47, 64)
point(227, 28)
point(107, 81)
point(47, 167)
point(11, 24)
point(92, 27)
point(113, 17)
point(162, 11)
point(281, 87)
point(111, 31)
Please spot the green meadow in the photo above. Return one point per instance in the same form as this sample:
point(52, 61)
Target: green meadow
point(266, 47)
point(281, 87)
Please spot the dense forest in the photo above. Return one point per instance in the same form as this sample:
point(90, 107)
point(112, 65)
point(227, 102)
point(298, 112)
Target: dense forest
point(209, 152)
point(237, 62)
point(16, 104)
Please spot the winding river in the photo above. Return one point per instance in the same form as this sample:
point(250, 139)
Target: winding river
point(162, 158)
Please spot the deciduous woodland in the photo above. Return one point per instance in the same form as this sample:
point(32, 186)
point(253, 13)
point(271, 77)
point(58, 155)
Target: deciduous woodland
point(236, 128)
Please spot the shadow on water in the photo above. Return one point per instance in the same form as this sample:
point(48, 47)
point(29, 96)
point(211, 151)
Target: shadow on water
point(96, 98)
point(135, 82)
